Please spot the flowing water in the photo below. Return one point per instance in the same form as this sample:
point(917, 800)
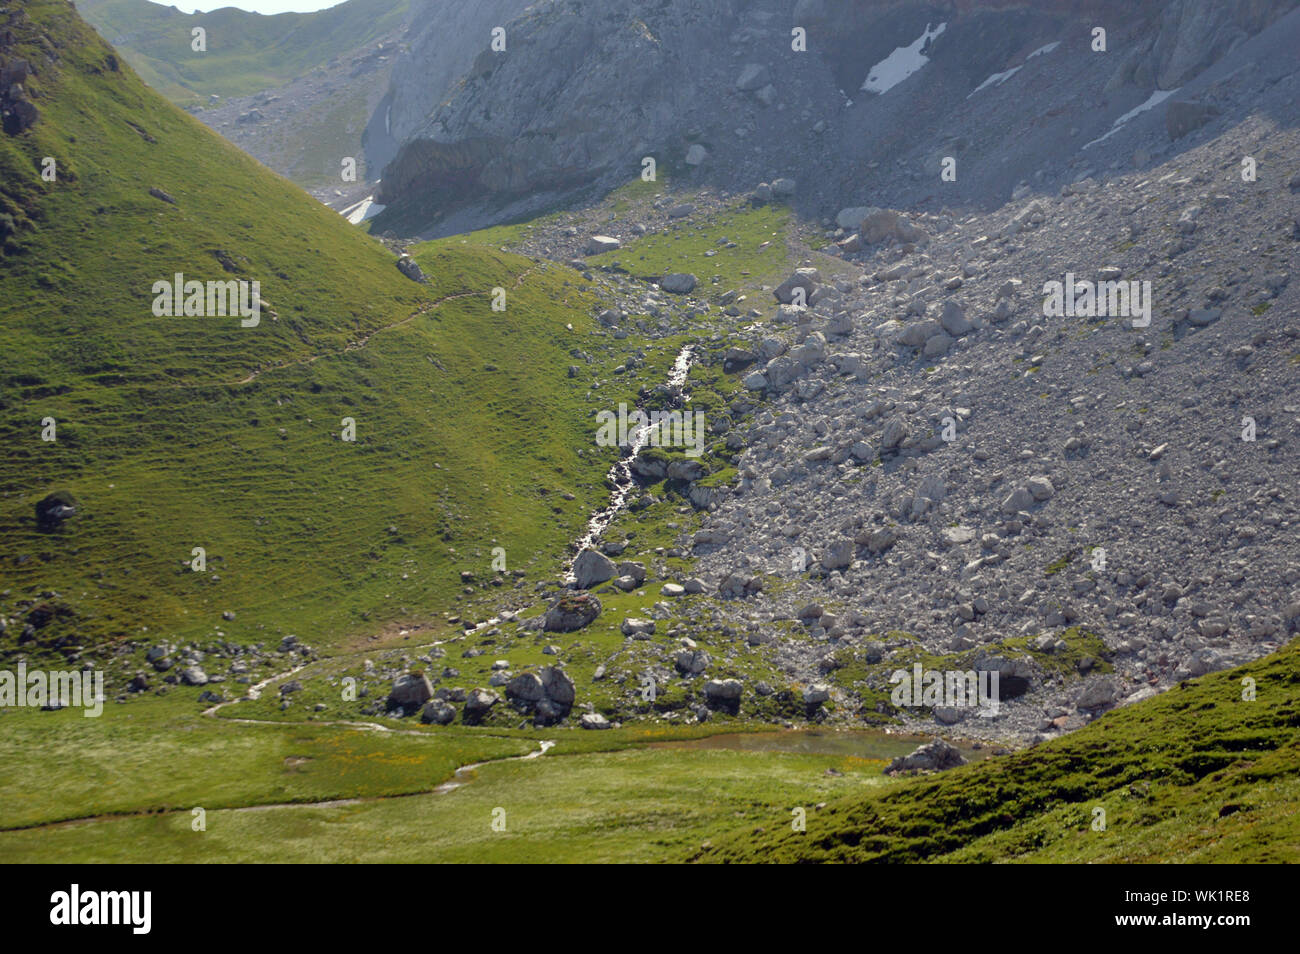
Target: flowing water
point(620, 475)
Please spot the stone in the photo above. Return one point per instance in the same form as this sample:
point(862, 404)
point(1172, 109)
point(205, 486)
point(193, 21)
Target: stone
point(571, 612)
point(602, 243)
point(838, 555)
point(1019, 499)
point(525, 688)
point(438, 712)
point(1096, 693)
point(410, 690)
point(678, 283)
point(805, 278)
point(408, 267)
point(558, 686)
point(936, 756)
point(915, 334)
point(816, 694)
point(850, 218)
point(954, 319)
point(1040, 487)
point(592, 567)
point(937, 346)
point(478, 703)
point(881, 540)
point(692, 662)
point(753, 76)
point(637, 627)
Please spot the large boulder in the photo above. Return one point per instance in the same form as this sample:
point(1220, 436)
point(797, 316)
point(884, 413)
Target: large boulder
point(838, 555)
point(1019, 499)
point(571, 612)
point(525, 689)
point(478, 704)
point(19, 116)
point(592, 567)
point(638, 627)
point(1097, 693)
point(692, 662)
point(1014, 674)
point(410, 691)
point(954, 319)
point(602, 243)
point(548, 694)
point(934, 756)
point(805, 278)
point(738, 585)
point(852, 217)
point(678, 283)
point(408, 267)
point(917, 333)
point(558, 686)
point(438, 712)
point(882, 225)
point(686, 470)
point(723, 694)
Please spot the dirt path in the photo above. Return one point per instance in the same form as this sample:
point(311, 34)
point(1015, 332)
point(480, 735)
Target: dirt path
point(362, 342)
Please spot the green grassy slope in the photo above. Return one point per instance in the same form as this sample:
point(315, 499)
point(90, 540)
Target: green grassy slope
point(246, 52)
point(182, 432)
point(1196, 774)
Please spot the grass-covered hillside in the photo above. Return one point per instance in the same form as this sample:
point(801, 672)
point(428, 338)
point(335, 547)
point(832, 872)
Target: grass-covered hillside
point(246, 52)
point(1206, 772)
point(184, 432)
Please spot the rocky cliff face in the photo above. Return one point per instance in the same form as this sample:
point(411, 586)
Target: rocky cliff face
point(443, 41)
point(718, 94)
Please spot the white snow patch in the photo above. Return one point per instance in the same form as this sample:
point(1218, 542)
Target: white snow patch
point(1154, 100)
point(902, 63)
point(997, 79)
point(365, 209)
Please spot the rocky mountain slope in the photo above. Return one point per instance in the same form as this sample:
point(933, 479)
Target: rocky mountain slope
point(933, 466)
point(719, 97)
point(389, 513)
